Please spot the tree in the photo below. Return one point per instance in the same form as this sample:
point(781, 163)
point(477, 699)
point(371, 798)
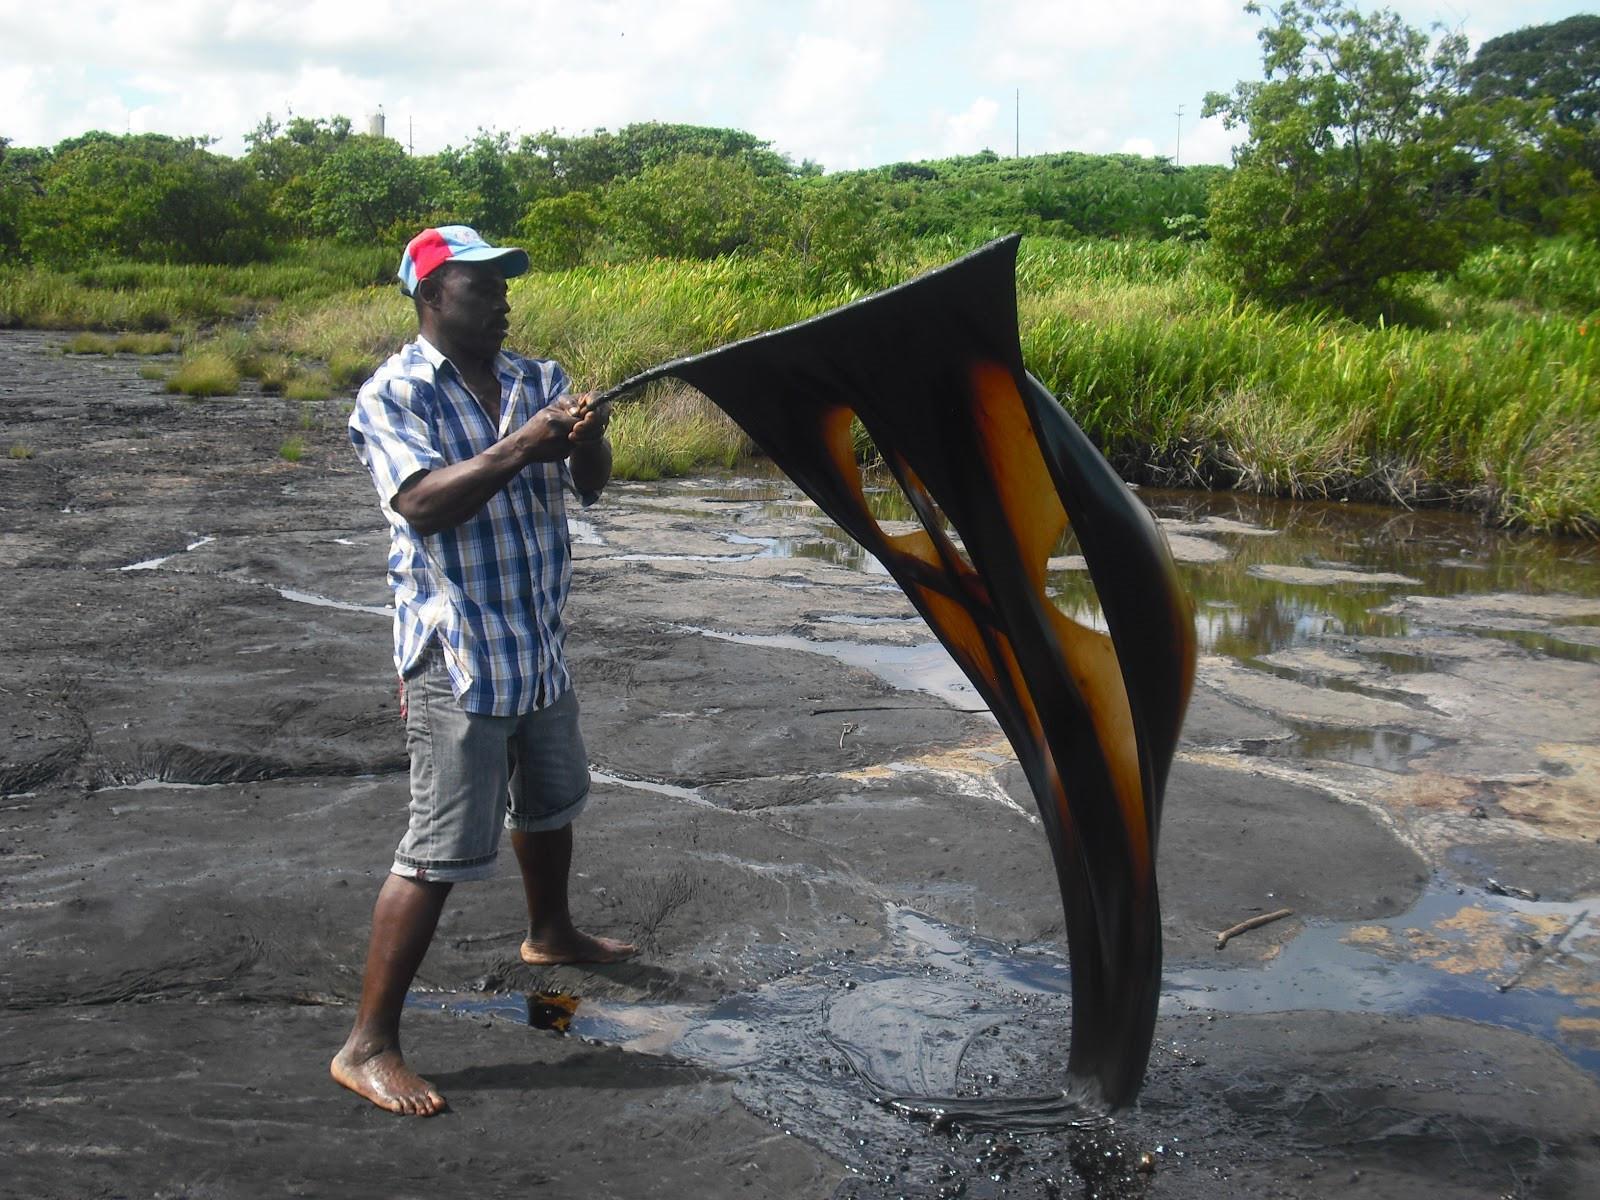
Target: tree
point(147, 197)
point(695, 207)
point(550, 164)
point(1559, 65)
point(369, 190)
point(21, 183)
point(283, 157)
point(1559, 62)
point(557, 231)
point(486, 189)
point(1366, 157)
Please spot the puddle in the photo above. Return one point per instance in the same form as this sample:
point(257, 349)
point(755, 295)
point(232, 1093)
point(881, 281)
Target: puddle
point(584, 533)
point(1442, 958)
point(151, 564)
point(1381, 749)
point(324, 602)
point(1295, 573)
point(821, 1050)
point(691, 795)
point(924, 667)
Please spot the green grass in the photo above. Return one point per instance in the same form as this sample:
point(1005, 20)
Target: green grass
point(19, 452)
point(308, 385)
point(206, 373)
point(122, 343)
point(672, 433)
point(152, 371)
point(292, 450)
point(1488, 399)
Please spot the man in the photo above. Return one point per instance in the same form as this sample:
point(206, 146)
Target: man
point(472, 451)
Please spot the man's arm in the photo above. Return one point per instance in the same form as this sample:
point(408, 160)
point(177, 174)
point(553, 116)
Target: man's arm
point(445, 497)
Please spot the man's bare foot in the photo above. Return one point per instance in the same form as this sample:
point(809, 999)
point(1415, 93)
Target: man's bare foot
point(384, 1079)
point(575, 948)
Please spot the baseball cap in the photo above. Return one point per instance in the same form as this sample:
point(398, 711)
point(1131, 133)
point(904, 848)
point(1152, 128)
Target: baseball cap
point(431, 248)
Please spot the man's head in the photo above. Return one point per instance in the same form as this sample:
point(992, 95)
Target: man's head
point(458, 282)
point(433, 248)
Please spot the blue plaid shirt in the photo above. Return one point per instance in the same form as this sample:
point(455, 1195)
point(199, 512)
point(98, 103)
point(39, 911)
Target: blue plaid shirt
point(490, 590)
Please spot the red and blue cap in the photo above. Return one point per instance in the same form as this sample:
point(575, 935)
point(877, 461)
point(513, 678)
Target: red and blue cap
point(432, 248)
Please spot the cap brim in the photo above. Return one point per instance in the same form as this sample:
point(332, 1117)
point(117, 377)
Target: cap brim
point(509, 259)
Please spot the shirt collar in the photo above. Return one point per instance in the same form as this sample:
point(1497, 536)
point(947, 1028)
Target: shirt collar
point(504, 364)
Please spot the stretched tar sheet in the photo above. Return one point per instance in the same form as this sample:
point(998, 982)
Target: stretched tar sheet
point(933, 369)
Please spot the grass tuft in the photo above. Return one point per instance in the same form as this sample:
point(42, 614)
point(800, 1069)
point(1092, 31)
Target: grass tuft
point(206, 373)
point(673, 433)
point(308, 385)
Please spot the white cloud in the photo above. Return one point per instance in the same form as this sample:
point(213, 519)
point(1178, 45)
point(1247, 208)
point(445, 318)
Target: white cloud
point(845, 82)
point(975, 129)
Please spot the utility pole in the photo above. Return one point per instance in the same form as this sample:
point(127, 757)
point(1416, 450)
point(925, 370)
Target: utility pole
point(1177, 155)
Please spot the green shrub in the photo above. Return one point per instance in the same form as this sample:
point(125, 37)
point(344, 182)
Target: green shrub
point(292, 450)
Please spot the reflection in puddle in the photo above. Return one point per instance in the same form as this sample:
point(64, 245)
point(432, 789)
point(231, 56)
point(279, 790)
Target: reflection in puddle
point(1381, 749)
point(1360, 553)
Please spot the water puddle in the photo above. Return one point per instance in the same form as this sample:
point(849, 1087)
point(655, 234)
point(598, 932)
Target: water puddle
point(1448, 956)
point(1380, 749)
point(838, 1052)
point(925, 667)
point(151, 564)
point(1295, 573)
point(690, 795)
point(300, 597)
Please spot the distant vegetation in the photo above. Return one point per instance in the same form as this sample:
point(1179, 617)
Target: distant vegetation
point(1393, 294)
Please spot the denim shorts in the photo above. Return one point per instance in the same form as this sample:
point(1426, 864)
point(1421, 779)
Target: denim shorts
point(471, 774)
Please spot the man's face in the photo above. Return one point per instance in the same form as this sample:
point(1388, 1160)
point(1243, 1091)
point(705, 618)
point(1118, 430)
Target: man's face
point(470, 306)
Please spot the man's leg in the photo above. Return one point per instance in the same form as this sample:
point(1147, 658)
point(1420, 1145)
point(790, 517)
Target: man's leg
point(403, 921)
point(546, 862)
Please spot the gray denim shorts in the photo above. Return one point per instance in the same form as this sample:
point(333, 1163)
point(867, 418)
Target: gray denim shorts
point(471, 774)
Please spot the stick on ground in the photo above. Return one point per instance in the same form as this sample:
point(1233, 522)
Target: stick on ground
point(1234, 931)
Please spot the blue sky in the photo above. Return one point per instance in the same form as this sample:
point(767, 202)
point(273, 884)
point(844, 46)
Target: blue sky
point(847, 83)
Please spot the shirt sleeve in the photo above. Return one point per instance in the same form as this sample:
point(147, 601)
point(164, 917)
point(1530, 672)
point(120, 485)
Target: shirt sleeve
point(391, 428)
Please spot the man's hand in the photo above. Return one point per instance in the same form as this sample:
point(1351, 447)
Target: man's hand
point(592, 419)
point(547, 435)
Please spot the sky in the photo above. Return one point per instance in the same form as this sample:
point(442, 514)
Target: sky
point(844, 83)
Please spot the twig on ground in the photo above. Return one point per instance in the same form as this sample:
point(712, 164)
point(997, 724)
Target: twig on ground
point(1542, 953)
point(1234, 931)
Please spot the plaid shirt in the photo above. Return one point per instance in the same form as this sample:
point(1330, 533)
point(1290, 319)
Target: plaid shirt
point(492, 588)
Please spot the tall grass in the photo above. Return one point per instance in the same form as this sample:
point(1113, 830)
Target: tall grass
point(1491, 402)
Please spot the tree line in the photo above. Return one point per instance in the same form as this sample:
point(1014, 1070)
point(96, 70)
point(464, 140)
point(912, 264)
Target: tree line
point(1372, 150)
